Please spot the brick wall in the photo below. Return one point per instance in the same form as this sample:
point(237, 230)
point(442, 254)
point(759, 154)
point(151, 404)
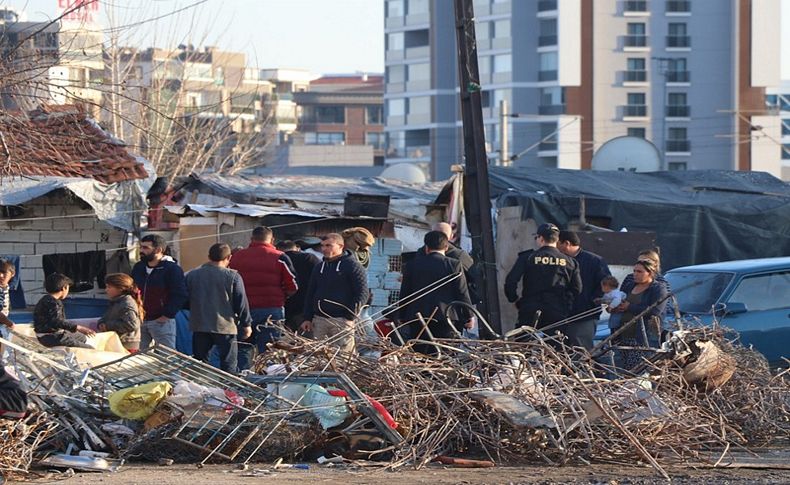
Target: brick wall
point(56, 234)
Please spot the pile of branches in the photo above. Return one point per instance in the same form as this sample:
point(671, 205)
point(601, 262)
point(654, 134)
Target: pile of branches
point(655, 417)
point(18, 443)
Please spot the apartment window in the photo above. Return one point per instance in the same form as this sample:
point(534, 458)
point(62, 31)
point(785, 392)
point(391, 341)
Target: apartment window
point(677, 165)
point(677, 71)
point(635, 6)
point(636, 105)
point(483, 30)
point(547, 5)
point(395, 41)
point(374, 115)
point(636, 35)
point(375, 139)
point(484, 64)
point(395, 8)
point(786, 151)
point(548, 137)
point(678, 6)
point(45, 40)
point(677, 140)
point(485, 99)
point(396, 74)
point(785, 127)
point(636, 132)
point(396, 107)
point(678, 37)
point(503, 63)
point(548, 32)
point(417, 7)
point(548, 66)
point(502, 29)
point(501, 95)
point(324, 138)
point(551, 101)
point(419, 72)
point(677, 105)
point(420, 105)
point(416, 38)
point(325, 114)
point(636, 70)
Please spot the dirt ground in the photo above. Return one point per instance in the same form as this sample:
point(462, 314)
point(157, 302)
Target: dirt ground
point(135, 474)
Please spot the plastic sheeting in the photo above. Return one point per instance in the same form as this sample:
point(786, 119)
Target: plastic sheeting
point(698, 216)
point(121, 204)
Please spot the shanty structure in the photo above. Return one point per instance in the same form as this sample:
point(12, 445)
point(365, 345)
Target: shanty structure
point(70, 195)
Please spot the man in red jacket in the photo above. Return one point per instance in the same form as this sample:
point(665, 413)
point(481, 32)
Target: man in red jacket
point(269, 278)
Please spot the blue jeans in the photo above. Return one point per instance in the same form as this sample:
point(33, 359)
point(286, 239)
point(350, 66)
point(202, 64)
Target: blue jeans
point(162, 333)
point(261, 334)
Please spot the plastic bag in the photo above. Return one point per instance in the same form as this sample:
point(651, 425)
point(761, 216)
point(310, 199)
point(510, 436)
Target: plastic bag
point(330, 411)
point(138, 402)
point(188, 394)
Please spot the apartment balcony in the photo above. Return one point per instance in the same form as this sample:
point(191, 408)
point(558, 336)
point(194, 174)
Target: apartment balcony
point(547, 5)
point(678, 76)
point(678, 146)
point(635, 76)
point(409, 152)
point(635, 41)
point(678, 6)
point(634, 111)
point(551, 109)
point(678, 111)
point(548, 146)
point(547, 75)
point(679, 41)
point(545, 40)
point(635, 7)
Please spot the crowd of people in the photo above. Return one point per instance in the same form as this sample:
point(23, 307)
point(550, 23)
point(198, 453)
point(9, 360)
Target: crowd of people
point(235, 298)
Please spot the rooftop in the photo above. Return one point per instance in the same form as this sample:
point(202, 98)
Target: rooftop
point(61, 141)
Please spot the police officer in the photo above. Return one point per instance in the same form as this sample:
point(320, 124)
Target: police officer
point(550, 281)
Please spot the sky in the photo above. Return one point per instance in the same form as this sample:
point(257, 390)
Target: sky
point(324, 36)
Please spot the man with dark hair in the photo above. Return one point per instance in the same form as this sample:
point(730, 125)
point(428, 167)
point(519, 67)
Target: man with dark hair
point(337, 291)
point(303, 264)
point(550, 281)
point(49, 318)
point(593, 269)
point(218, 308)
point(426, 271)
point(163, 290)
point(269, 278)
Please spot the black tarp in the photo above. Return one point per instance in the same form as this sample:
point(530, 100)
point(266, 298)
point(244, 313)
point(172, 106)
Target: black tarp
point(699, 216)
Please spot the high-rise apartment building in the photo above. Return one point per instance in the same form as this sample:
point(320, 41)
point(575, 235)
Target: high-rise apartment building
point(687, 75)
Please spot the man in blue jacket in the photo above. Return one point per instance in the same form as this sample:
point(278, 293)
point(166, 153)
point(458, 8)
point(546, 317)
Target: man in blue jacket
point(163, 289)
point(337, 291)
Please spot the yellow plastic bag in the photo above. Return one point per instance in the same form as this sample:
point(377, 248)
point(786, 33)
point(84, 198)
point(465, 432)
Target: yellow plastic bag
point(138, 402)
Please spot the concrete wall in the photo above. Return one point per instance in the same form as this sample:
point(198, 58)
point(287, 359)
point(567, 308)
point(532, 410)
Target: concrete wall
point(57, 232)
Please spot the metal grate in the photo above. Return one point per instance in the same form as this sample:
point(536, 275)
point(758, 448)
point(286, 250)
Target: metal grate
point(395, 264)
point(393, 297)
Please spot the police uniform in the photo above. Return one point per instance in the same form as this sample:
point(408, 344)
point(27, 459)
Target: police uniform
point(550, 283)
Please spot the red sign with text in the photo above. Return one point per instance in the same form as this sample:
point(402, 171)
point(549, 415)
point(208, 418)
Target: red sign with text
point(82, 10)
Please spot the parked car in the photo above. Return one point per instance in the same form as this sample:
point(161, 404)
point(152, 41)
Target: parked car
point(751, 296)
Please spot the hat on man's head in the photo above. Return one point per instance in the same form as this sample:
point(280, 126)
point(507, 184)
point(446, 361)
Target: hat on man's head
point(548, 230)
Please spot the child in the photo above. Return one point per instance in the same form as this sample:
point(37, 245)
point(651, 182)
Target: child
point(7, 272)
point(125, 313)
point(612, 298)
point(49, 319)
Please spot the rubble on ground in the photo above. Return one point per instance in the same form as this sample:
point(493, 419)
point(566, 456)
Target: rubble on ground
point(475, 403)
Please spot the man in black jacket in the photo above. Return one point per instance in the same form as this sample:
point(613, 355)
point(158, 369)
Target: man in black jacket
point(337, 291)
point(592, 269)
point(550, 281)
point(424, 272)
point(303, 264)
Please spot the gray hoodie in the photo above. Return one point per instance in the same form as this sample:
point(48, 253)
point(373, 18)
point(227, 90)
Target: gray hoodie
point(122, 318)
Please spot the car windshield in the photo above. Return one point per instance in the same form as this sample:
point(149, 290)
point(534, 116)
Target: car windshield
point(697, 292)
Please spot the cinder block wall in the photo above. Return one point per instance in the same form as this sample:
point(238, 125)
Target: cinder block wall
point(55, 234)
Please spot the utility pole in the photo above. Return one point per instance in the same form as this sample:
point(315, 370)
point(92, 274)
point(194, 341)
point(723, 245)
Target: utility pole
point(504, 152)
point(477, 200)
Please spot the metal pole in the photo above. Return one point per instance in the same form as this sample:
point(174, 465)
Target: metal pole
point(477, 199)
point(504, 152)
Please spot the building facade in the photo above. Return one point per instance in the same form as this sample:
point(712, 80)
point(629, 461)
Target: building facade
point(778, 101)
point(568, 75)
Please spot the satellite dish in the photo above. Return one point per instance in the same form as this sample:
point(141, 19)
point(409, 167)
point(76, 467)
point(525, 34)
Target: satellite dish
point(408, 172)
point(629, 153)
